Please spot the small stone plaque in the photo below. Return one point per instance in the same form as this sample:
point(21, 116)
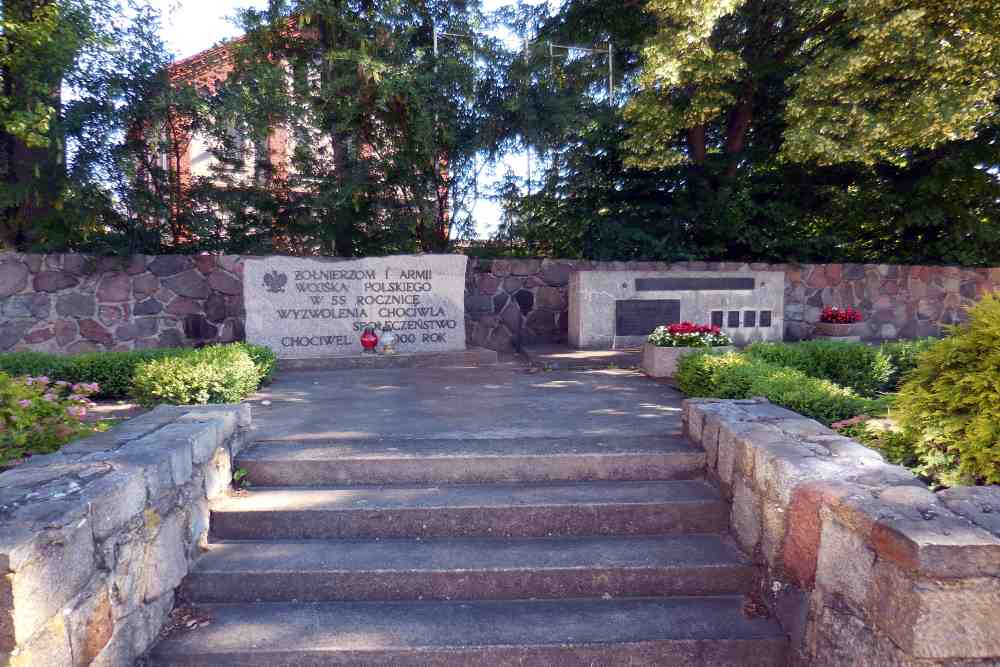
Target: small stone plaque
point(693, 284)
point(640, 316)
point(307, 308)
point(718, 318)
point(750, 318)
point(765, 318)
point(734, 319)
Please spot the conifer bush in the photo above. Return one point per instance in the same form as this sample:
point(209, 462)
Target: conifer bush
point(950, 402)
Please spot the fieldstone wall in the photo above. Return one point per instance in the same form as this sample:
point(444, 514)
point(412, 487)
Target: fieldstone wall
point(94, 539)
point(77, 303)
point(863, 564)
point(515, 302)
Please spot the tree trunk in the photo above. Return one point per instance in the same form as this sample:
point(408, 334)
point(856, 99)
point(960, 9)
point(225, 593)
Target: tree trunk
point(736, 132)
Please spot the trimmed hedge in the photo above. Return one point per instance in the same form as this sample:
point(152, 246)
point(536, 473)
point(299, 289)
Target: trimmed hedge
point(114, 371)
point(950, 403)
point(735, 375)
point(867, 370)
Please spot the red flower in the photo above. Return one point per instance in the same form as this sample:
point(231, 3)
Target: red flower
point(835, 315)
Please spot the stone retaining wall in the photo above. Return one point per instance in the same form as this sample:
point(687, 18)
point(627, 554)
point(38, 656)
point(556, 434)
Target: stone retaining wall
point(76, 303)
point(94, 539)
point(514, 302)
point(863, 564)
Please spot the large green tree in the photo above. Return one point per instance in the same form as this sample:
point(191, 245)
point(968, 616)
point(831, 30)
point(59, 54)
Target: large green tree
point(81, 79)
point(385, 135)
point(40, 40)
point(806, 130)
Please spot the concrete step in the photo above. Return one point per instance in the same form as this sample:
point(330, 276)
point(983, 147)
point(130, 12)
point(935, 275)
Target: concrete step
point(555, 356)
point(496, 510)
point(464, 461)
point(700, 632)
point(474, 356)
point(468, 569)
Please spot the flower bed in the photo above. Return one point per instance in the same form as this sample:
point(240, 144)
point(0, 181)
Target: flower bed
point(687, 334)
point(38, 415)
point(840, 324)
point(42, 411)
point(668, 344)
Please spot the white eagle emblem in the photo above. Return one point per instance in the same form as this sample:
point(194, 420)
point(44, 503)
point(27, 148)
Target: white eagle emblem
point(275, 282)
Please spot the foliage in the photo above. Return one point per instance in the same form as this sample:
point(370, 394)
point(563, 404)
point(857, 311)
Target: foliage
point(217, 374)
point(737, 376)
point(867, 82)
point(114, 372)
point(80, 175)
point(264, 359)
point(866, 370)
point(241, 479)
point(903, 356)
point(687, 334)
point(698, 168)
point(951, 400)
point(896, 445)
point(835, 315)
point(111, 371)
point(38, 415)
point(385, 134)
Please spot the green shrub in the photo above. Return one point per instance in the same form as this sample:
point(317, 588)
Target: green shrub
point(736, 375)
point(903, 356)
point(951, 400)
point(264, 359)
point(867, 370)
point(39, 415)
point(35, 364)
point(114, 371)
point(218, 374)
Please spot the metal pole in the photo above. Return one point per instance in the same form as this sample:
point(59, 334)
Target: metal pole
point(435, 45)
point(611, 72)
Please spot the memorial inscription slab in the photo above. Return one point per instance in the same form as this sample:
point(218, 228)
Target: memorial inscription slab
point(638, 317)
point(307, 307)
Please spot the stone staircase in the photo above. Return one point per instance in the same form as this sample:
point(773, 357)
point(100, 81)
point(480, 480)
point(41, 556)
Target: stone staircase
point(528, 551)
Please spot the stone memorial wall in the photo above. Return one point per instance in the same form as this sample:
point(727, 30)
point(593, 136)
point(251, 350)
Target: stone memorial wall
point(619, 309)
point(70, 303)
point(319, 308)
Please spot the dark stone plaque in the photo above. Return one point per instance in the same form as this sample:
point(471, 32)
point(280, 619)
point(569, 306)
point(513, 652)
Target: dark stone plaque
point(765, 318)
point(734, 319)
point(750, 318)
point(718, 318)
point(639, 317)
point(693, 284)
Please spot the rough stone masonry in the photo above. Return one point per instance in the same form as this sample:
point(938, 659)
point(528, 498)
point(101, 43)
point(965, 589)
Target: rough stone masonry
point(863, 564)
point(72, 303)
point(95, 539)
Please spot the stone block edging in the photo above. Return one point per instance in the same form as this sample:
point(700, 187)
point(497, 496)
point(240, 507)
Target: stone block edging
point(863, 564)
point(95, 539)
